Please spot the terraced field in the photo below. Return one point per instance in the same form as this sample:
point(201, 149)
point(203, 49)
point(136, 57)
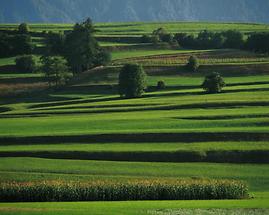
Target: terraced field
point(85, 131)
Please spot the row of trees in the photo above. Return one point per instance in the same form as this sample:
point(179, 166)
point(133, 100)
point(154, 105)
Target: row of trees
point(208, 40)
point(204, 40)
point(16, 42)
point(70, 54)
point(12, 45)
point(64, 56)
point(157, 36)
point(258, 42)
point(79, 47)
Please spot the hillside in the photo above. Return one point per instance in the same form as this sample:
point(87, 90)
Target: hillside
point(131, 10)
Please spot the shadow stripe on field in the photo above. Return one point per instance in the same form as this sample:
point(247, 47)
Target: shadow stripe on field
point(232, 156)
point(188, 137)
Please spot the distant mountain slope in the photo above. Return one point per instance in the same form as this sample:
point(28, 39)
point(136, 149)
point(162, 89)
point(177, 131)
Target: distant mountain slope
point(134, 10)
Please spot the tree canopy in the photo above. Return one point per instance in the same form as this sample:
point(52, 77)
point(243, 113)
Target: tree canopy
point(132, 81)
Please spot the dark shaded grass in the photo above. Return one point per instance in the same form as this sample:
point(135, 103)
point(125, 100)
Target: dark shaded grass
point(8, 69)
point(102, 106)
point(27, 80)
point(61, 103)
point(232, 156)
point(4, 109)
point(119, 110)
point(187, 137)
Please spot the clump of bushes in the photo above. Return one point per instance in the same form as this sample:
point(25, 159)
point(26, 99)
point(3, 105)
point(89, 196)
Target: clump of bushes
point(150, 189)
point(23, 28)
point(211, 40)
point(193, 64)
point(56, 70)
point(25, 63)
point(161, 85)
point(132, 81)
point(213, 83)
point(157, 36)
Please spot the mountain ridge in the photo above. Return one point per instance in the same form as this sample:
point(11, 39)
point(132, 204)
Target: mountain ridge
point(67, 11)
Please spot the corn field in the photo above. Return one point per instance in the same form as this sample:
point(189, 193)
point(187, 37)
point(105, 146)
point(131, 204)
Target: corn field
point(199, 189)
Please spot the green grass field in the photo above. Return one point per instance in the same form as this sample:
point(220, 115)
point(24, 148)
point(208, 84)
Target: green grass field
point(85, 131)
point(139, 28)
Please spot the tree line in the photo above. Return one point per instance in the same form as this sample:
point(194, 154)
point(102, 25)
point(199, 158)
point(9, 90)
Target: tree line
point(16, 42)
point(64, 55)
point(70, 54)
point(258, 42)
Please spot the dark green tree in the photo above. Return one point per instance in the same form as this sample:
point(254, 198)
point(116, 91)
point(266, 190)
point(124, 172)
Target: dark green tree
point(213, 83)
point(233, 39)
point(55, 43)
point(160, 32)
point(132, 81)
point(193, 64)
point(55, 70)
point(82, 51)
point(22, 44)
point(23, 28)
point(25, 64)
point(146, 39)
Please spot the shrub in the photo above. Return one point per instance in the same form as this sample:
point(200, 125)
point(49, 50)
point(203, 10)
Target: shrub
point(55, 43)
point(160, 85)
point(155, 39)
point(146, 39)
point(213, 83)
point(23, 28)
point(103, 57)
point(55, 70)
point(258, 42)
point(193, 64)
point(168, 38)
point(82, 50)
point(104, 190)
point(25, 63)
point(233, 39)
point(132, 81)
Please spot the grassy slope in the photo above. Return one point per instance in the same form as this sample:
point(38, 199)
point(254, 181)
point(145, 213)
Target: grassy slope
point(90, 111)
point(252, 173)
point(130, 208)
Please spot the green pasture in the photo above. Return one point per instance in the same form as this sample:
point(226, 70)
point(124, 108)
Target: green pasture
point(253, 174)
point(139, 28)
point(90, 105)
point(140, 208)
point(137, 147)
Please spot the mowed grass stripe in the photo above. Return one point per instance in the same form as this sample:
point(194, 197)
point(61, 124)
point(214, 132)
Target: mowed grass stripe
point(137, 147)
point(140, 207)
